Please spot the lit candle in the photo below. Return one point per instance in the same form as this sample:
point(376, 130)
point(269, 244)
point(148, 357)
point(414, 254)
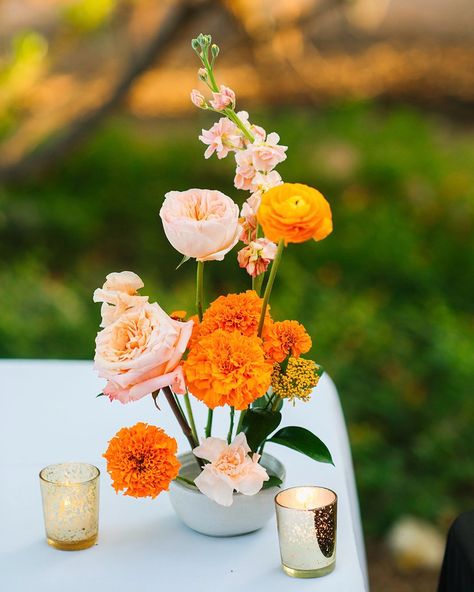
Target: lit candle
point(70, 493)
point(307, 520)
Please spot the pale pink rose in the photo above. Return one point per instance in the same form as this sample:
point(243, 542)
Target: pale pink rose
point(223, 99)
point(140, 353)
point(223, 137)
point(200, 223)
point(256, 256)
point(267, 153)
point(198, 99)
point(248, 217)
point(230, 469)
point(245, 171)
point(118, 295)
point(265, 181)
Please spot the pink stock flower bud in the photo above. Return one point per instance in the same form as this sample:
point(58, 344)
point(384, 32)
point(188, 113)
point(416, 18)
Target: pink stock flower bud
point(198, 99)
point(256, 256)
point(223, 99)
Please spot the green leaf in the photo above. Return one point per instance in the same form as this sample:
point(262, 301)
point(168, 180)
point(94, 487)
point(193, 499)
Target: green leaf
point(274, 481)
point(155, 396)
point(263, 402)
point(303, 441)
point(258, 424)
point(183, 260)
point(100, 395)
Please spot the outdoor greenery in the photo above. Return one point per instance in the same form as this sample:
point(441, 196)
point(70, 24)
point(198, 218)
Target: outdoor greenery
point(387, 298)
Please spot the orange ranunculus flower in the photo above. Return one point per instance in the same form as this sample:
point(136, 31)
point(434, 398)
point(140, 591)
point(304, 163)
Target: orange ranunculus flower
point(228, 368)
point(295, 213)
point(285, 338)
point(142, 460)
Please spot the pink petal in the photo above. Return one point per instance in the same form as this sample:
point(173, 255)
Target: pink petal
point(210, 449)
point(212, 486)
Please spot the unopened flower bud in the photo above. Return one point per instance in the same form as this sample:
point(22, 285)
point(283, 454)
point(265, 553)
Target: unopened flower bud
point(214, 50)
point(202, 73)
point(198, 99)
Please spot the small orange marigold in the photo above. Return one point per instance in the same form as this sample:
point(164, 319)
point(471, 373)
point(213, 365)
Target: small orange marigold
point(285, 338)
point(234, 312)
point(142, 460)
point(227, 368)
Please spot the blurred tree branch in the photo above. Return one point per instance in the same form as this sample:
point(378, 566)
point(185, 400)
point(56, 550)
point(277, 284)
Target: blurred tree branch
point(41, 158)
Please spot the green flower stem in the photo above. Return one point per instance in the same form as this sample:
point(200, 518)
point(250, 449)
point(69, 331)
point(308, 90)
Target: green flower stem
point(176, 398)
point(241, 420)
point(168, 393)
point(212, 81)
point(231, 427)
point(269, 286)
point(210, 415)
point(232, 115)
point(270, 401)
point(199, 288)
point(189, 409)
point(276, 402)
point(257, 283)
point(184, 480)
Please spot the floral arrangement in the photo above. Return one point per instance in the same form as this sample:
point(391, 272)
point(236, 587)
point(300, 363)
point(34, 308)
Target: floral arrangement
point(232, 353)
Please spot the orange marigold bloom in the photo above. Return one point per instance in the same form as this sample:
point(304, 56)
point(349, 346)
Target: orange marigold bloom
point(179, 315)
point(234, 312)
point(295, 213)
point(227, 368)
point(142, 460)
point(285, 338)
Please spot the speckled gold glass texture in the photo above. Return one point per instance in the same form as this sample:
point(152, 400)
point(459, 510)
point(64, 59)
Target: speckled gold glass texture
point(70, 493)
point(307, 524)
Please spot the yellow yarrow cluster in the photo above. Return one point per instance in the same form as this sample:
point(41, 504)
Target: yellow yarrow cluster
point(298, 380)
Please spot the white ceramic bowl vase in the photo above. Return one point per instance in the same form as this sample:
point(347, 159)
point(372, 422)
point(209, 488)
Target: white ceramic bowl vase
point(247, 513)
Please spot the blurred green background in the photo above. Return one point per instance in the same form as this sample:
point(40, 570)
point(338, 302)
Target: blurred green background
point(387, 298)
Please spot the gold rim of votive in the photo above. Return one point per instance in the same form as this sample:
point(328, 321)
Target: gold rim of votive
point(306, 487)
point(68, 483)
point(319, 572)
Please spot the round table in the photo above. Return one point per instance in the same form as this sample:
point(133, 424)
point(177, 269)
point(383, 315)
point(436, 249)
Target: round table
point(51, 414)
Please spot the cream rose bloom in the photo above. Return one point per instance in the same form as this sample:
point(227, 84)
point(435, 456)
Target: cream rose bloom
point(230, 468)
point(140, 353)
point(119, 294)
point(200, 223)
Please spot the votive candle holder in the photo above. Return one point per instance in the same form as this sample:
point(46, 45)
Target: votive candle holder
point(70, 494)
point(307, 524)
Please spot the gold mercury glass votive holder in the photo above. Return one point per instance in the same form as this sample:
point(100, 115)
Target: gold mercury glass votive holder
point(70, 493)
point(307, 524)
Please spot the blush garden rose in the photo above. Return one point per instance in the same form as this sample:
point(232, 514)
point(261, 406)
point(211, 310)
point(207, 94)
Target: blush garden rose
point(200, 223)
point(140, 353)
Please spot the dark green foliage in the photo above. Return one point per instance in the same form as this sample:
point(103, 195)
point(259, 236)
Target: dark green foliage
point(387, 299)
point(258, 424)
point(303, 441)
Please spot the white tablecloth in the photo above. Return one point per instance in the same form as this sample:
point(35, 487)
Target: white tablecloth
point(50, 414)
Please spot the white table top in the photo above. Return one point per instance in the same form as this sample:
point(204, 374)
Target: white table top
point(50, 414)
